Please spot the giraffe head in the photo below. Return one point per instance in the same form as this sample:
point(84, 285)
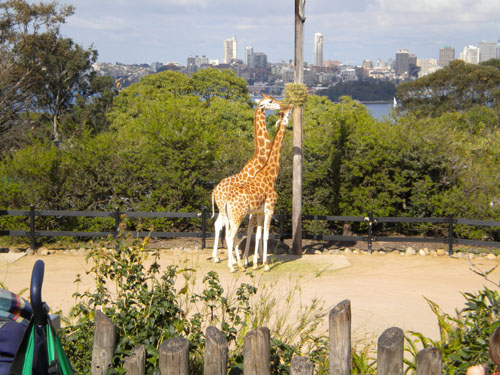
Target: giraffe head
point(268, 103)
point(285, 112)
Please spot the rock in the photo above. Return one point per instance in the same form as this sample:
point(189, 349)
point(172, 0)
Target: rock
point(30, 251)
point(14, 250)
point(334, 251)
point(433, 253)
point(395, 252)
point(347, 250)
point(43, 251)
point(318, 252)
point(423, 253)
point(441, 252)
point(491, 257)
point(410, 251)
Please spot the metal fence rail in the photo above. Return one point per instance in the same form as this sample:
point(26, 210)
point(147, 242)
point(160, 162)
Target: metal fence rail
point(282, 218)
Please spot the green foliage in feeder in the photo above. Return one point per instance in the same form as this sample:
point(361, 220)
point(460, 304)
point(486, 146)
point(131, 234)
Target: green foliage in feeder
point(296, 94)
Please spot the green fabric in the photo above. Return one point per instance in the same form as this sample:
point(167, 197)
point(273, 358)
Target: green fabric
point(29, 354)
point(56, 352)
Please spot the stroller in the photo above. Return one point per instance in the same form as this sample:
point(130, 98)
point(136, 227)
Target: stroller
point(29, 344)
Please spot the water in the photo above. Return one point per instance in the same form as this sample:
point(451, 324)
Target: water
point(379, 110)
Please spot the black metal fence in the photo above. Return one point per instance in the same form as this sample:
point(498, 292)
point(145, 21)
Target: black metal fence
point(282, 218)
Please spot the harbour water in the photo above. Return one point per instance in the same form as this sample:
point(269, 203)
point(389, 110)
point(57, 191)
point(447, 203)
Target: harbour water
point(379, 110)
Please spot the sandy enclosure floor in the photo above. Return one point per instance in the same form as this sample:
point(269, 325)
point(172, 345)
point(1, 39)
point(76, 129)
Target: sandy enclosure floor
point(384, 290)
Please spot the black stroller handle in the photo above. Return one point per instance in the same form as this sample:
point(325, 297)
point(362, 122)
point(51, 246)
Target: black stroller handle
point(39, 311)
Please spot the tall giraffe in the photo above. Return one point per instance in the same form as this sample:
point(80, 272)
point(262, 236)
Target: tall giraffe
point(262, 149)
point(257, 197)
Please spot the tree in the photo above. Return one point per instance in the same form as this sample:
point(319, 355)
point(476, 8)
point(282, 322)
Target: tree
point(457, 87)
point(365, 90)
point(41, 72)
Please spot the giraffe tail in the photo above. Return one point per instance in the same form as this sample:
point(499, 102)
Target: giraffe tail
point(213, 206)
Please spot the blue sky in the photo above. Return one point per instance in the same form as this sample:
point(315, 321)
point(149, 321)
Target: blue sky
point(132, 31)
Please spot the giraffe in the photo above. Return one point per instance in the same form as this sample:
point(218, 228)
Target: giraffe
point(262, 149)
point(256, 197)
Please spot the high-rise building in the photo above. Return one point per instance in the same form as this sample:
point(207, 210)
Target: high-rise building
point(260, 60)
point(318, 49)
point(446, 54)
point(427, 66)
point(488, 50)
point(249, 57)
point(402, 64)
point(470, 54)
point(230, 50)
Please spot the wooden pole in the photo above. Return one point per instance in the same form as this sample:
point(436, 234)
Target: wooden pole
point(136, 363)
point(340, 339)
point(216, 352)
point(297, 131)
point(301, 366)
point(257, 352)
point(174, 356)
point(390, 352)
point(429, 362)
point(104, 344)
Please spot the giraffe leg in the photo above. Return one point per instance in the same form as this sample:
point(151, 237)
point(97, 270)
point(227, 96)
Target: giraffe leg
point(219, 224)
point(267, 223)
point(258, 237)
point(251, 225)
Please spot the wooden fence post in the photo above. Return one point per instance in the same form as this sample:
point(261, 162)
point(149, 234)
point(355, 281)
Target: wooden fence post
point(390, 352)
point(257, 352)
point(340, 339)
point(136, 363)
point(216, 352)
point(104, 344)
point(429, 362)
point(301, 366)
point(174, 356)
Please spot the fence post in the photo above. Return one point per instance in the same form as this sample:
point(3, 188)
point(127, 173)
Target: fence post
point(257, 352)
point(116, 215)
point(301, 366)
point(429, 362)
point(370, 230)
point(390, 352)
point(174, 356)
point(282, 225)
point(216, 352)
point(104, 344)
point(340, 339)
point(203, 227)
point(450, 234)
point(136, 363)
point(32, 232)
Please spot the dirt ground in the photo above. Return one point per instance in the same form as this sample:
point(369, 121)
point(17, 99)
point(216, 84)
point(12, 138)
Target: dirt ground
point(384, 290)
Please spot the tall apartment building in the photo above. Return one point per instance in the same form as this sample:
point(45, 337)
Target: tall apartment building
point(230, 50)
point(488, 50)
point(318, 49)
point(260, 60)
point(402, 64)
point(470, 55)
point(249, 57)
point(427, 66)
point(446, 54)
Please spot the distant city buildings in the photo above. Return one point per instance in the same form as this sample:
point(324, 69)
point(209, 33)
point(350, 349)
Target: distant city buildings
point(446, 54)
point(470, 55)
point(264, 76)
point(230, 50)
point(318, 49)
point(488, 50)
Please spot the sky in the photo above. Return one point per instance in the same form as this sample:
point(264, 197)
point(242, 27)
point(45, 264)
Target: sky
point(147, 31)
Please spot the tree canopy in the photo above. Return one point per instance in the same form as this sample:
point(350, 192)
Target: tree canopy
point(363, 90)
point(458, 87)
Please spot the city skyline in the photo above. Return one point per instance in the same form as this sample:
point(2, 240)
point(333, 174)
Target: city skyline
point(172, 30)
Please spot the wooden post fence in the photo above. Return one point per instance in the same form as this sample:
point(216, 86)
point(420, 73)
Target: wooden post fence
point(174, 352)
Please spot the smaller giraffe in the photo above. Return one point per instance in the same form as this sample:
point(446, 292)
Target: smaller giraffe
point(262, 149)
point(257, 197)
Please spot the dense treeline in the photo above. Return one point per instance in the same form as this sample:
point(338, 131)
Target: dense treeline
point(363, 90)
point(164, 143)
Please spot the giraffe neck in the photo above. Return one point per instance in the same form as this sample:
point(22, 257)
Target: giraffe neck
point(262, 141)
point(272, 166)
